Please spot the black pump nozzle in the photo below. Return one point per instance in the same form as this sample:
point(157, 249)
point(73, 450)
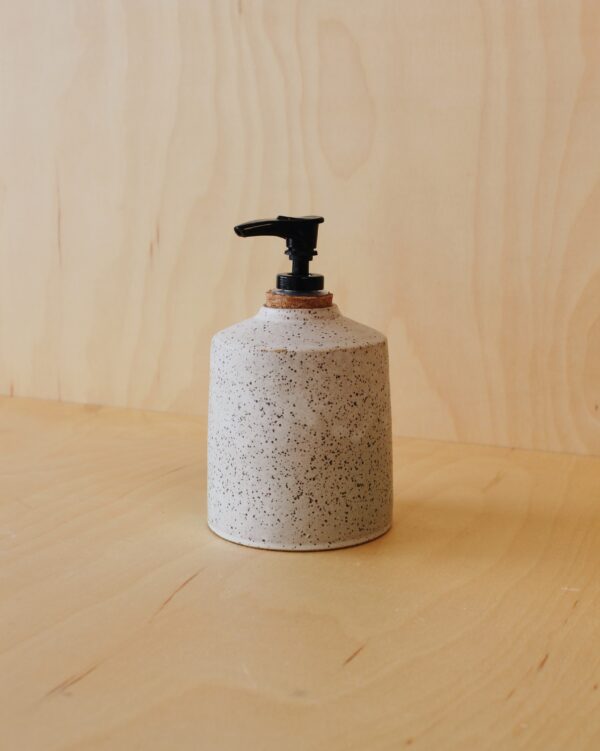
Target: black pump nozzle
point(300, 234)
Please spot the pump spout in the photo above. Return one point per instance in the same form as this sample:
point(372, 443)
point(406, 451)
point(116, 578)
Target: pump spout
point(258, 227)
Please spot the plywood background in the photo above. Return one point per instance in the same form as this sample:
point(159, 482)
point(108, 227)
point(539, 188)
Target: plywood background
point(453, 147)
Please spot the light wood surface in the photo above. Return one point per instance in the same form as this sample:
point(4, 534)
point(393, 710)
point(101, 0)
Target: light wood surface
point(453, 148)
point(125, 624)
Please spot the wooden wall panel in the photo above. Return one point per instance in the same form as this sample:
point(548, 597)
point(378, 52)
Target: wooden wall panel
point(454, 149)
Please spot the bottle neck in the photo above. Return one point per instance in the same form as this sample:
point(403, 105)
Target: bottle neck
point(298, 315)
point(277, 300)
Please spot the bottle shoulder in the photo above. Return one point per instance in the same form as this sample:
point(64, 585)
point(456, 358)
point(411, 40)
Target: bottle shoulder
point(299, 330)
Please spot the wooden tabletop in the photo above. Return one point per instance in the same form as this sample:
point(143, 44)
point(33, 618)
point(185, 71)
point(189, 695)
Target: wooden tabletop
point(125, 624)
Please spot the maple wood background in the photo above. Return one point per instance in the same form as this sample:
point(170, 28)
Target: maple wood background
point(453, 148)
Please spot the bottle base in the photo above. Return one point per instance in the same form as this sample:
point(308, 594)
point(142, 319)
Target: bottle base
point(300, 547)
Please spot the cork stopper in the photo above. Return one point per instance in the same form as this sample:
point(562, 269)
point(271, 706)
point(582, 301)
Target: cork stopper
point(275, 300)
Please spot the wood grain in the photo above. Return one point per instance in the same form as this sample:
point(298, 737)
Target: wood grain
point(452, 147)
point(473, 624)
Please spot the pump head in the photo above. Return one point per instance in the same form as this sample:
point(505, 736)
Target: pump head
point(300, 234)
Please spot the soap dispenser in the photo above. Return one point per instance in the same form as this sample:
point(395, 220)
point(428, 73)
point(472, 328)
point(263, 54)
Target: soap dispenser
point(299, 426)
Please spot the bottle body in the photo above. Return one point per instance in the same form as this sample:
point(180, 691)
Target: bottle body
point(299, 442)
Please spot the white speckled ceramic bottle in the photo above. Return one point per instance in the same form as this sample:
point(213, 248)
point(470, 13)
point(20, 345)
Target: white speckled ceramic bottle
point(299, 431)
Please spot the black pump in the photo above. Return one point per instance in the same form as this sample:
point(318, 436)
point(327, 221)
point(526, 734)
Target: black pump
point(300, 233)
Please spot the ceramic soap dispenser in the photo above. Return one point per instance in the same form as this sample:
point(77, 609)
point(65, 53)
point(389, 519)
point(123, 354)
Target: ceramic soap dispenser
point(299, 429)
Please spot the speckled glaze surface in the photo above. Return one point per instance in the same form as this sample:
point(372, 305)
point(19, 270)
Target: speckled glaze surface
point(299, 442)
